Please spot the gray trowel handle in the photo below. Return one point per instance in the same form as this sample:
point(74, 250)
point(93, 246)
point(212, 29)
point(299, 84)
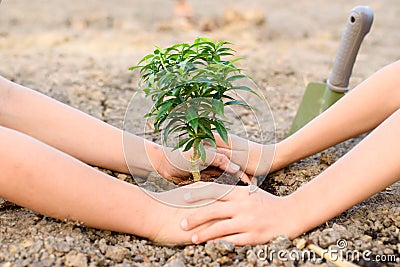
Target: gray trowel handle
point(358, 25)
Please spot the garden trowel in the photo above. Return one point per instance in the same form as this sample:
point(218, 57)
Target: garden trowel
point(320, 96)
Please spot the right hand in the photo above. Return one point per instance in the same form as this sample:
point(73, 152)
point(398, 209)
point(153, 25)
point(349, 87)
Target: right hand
point(241, 217)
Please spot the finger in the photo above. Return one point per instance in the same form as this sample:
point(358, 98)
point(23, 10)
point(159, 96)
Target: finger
point(218, 210)
point(225, 151)
point(234, 142)
point(221, 161)
point(238, 157)
point(217, 230)
point(243, 177)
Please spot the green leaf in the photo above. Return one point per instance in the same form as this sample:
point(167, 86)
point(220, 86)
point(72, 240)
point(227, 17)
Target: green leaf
point(210, 141)
point(220, 127)
point(190, 114)
point(194, 123)
point(181, 72)
point(222, 43)
point(227, 96)
point(189, 145)
point(223, 49)
point(245, 88)
point(225, 54)
point(172, 127)
point(159, 121)
point(218, 107)
point(141, 61)
point(181, 143)
point(236, 77)
point(206, 130)
point(201, 151)
point(236, 102)
point(163, 110)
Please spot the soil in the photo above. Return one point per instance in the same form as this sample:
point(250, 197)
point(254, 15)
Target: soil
point(79, 53)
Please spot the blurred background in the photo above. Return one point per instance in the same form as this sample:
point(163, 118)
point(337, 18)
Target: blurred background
point(79, 51)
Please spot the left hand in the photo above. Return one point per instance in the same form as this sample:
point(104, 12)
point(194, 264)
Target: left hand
point(243, 218)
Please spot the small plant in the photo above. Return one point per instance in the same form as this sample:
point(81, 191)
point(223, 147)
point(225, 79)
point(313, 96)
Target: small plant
point(190, 85)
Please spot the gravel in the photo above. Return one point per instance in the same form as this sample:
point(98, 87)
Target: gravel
point(80, 55)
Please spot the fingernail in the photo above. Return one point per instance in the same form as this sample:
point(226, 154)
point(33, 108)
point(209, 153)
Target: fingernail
point(187, 196)
point(233, 167)
point(184, 224)
point(195, 238)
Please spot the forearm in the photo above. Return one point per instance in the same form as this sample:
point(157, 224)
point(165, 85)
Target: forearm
point(50, 182)
point(361, 110)
point(69, 129)
point(370, 167)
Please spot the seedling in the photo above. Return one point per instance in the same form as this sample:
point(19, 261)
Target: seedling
point(190, 85)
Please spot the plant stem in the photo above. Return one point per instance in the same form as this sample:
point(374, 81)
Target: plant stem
point(194, 160)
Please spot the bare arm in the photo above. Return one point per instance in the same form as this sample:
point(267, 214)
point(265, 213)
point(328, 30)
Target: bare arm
point(367, 169)
point(361, 110)
point(63, 127)
point(256, 218)
point(87, 138)
point(48, 181)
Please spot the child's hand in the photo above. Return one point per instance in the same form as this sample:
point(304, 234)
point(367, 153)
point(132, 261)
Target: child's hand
point(175, 163)
point(253, 158)
point(243, 218)
point(165, 219)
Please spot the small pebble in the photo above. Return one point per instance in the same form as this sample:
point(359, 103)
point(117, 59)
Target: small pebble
point(74, 259)
point(117, 254)
point(223, 260)
point(251, 257)
point(300, 243)
point(176, 262)
point(224, 246)
point(328, 237)
point(122, 176)
point(211, 250)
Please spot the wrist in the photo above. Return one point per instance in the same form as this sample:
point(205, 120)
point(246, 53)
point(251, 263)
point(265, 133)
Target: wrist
point(267, 159)
point(159, 158)
point(155, 157)
point(149, 222)
point(282, 156)
point(298, 223)
point(308, 208)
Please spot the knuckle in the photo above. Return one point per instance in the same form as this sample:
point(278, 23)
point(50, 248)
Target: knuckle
point(224, 159)
point(207, 234)
point(220, 160)
point(201, 237)
point(192, 221)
